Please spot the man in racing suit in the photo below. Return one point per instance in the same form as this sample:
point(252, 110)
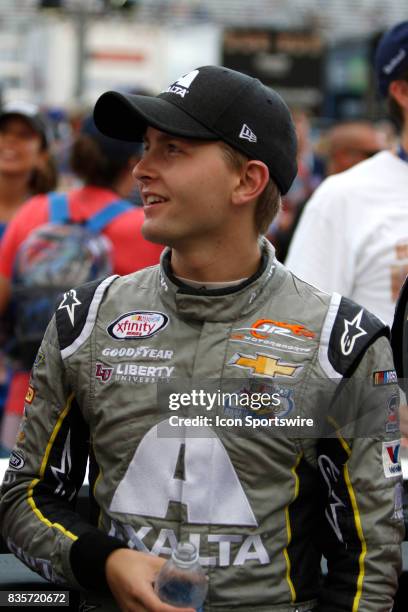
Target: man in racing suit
point(262, 500)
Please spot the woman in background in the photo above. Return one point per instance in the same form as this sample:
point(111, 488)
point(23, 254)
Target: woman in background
point(105, 168)
point(26, 169)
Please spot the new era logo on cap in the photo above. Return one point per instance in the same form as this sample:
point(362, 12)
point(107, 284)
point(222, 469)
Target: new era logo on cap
point(247, 134)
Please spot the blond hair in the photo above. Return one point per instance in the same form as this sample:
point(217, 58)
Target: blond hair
point(268, 203)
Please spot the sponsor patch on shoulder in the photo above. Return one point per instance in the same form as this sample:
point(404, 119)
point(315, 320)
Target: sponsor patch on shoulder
point(392, 423)
point(30, 395)
point(352, 332)
point(137, 324)
point(264, 365)
point(391, 459)
point(398, 514)
point(16, 461)
point(40, 359)
point(349, 329)
point(384, 377)
point(70, 302)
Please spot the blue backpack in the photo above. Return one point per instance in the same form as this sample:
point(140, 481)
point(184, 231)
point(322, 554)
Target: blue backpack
point(54, 258)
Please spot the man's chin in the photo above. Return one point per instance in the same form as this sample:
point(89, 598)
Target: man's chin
point(151, 235)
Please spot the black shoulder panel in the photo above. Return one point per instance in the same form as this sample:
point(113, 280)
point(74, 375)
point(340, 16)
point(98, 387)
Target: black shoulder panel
point(399, 333)
point(72, 311)
point(354, 330)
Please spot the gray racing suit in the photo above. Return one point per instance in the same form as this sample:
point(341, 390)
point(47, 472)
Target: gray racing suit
point(262, 493)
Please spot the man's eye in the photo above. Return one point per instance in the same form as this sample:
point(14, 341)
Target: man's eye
point(173, 148)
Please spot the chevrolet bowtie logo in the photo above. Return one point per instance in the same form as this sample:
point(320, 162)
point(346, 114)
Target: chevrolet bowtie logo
point(262, 365)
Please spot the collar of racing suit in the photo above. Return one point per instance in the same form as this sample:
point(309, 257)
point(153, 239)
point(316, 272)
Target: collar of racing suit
point(224, 304)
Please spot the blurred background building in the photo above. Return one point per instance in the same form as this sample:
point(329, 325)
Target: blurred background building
point(317, 53)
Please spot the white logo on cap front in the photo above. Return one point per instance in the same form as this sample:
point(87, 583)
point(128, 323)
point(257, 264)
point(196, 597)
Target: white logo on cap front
point(394, 61)
point(187, 79)
point(180, 87)
point(247, 134)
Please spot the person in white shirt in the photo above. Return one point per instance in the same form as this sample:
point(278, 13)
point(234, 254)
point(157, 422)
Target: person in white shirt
point(353, 235)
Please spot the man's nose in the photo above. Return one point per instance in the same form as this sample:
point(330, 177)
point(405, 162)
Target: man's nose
point(144, 169)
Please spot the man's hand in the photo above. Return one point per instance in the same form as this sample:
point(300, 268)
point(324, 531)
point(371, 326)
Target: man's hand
point(130, 576)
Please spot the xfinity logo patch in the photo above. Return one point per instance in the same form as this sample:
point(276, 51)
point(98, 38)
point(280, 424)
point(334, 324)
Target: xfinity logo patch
point(137, 325)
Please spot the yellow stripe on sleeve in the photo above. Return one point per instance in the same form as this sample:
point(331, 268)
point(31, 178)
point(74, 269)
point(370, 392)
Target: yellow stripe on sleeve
point(30, 497)
point(289, 530)
point(359, 527)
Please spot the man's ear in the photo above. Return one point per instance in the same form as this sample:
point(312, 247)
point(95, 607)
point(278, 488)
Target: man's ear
point(253, 180)
point(399, 91)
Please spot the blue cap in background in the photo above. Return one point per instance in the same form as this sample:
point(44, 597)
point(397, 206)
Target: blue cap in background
point(391, 56)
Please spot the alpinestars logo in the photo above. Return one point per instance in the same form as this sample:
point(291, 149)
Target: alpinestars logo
point(181, 86)
point(62, 472)
point(70, 302)
point(247, 134)
point(352, 331)
point(330, 474)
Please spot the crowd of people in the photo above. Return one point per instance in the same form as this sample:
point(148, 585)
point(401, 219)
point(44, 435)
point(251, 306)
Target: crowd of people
point(100, 174)
point(220, 151)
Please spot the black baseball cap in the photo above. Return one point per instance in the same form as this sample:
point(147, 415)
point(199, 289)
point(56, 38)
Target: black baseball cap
point(210, 103)
point(30, 113)
point(391, 56)
point(110, 147)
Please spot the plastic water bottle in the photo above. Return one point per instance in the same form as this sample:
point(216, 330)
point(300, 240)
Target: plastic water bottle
point(182, 581)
